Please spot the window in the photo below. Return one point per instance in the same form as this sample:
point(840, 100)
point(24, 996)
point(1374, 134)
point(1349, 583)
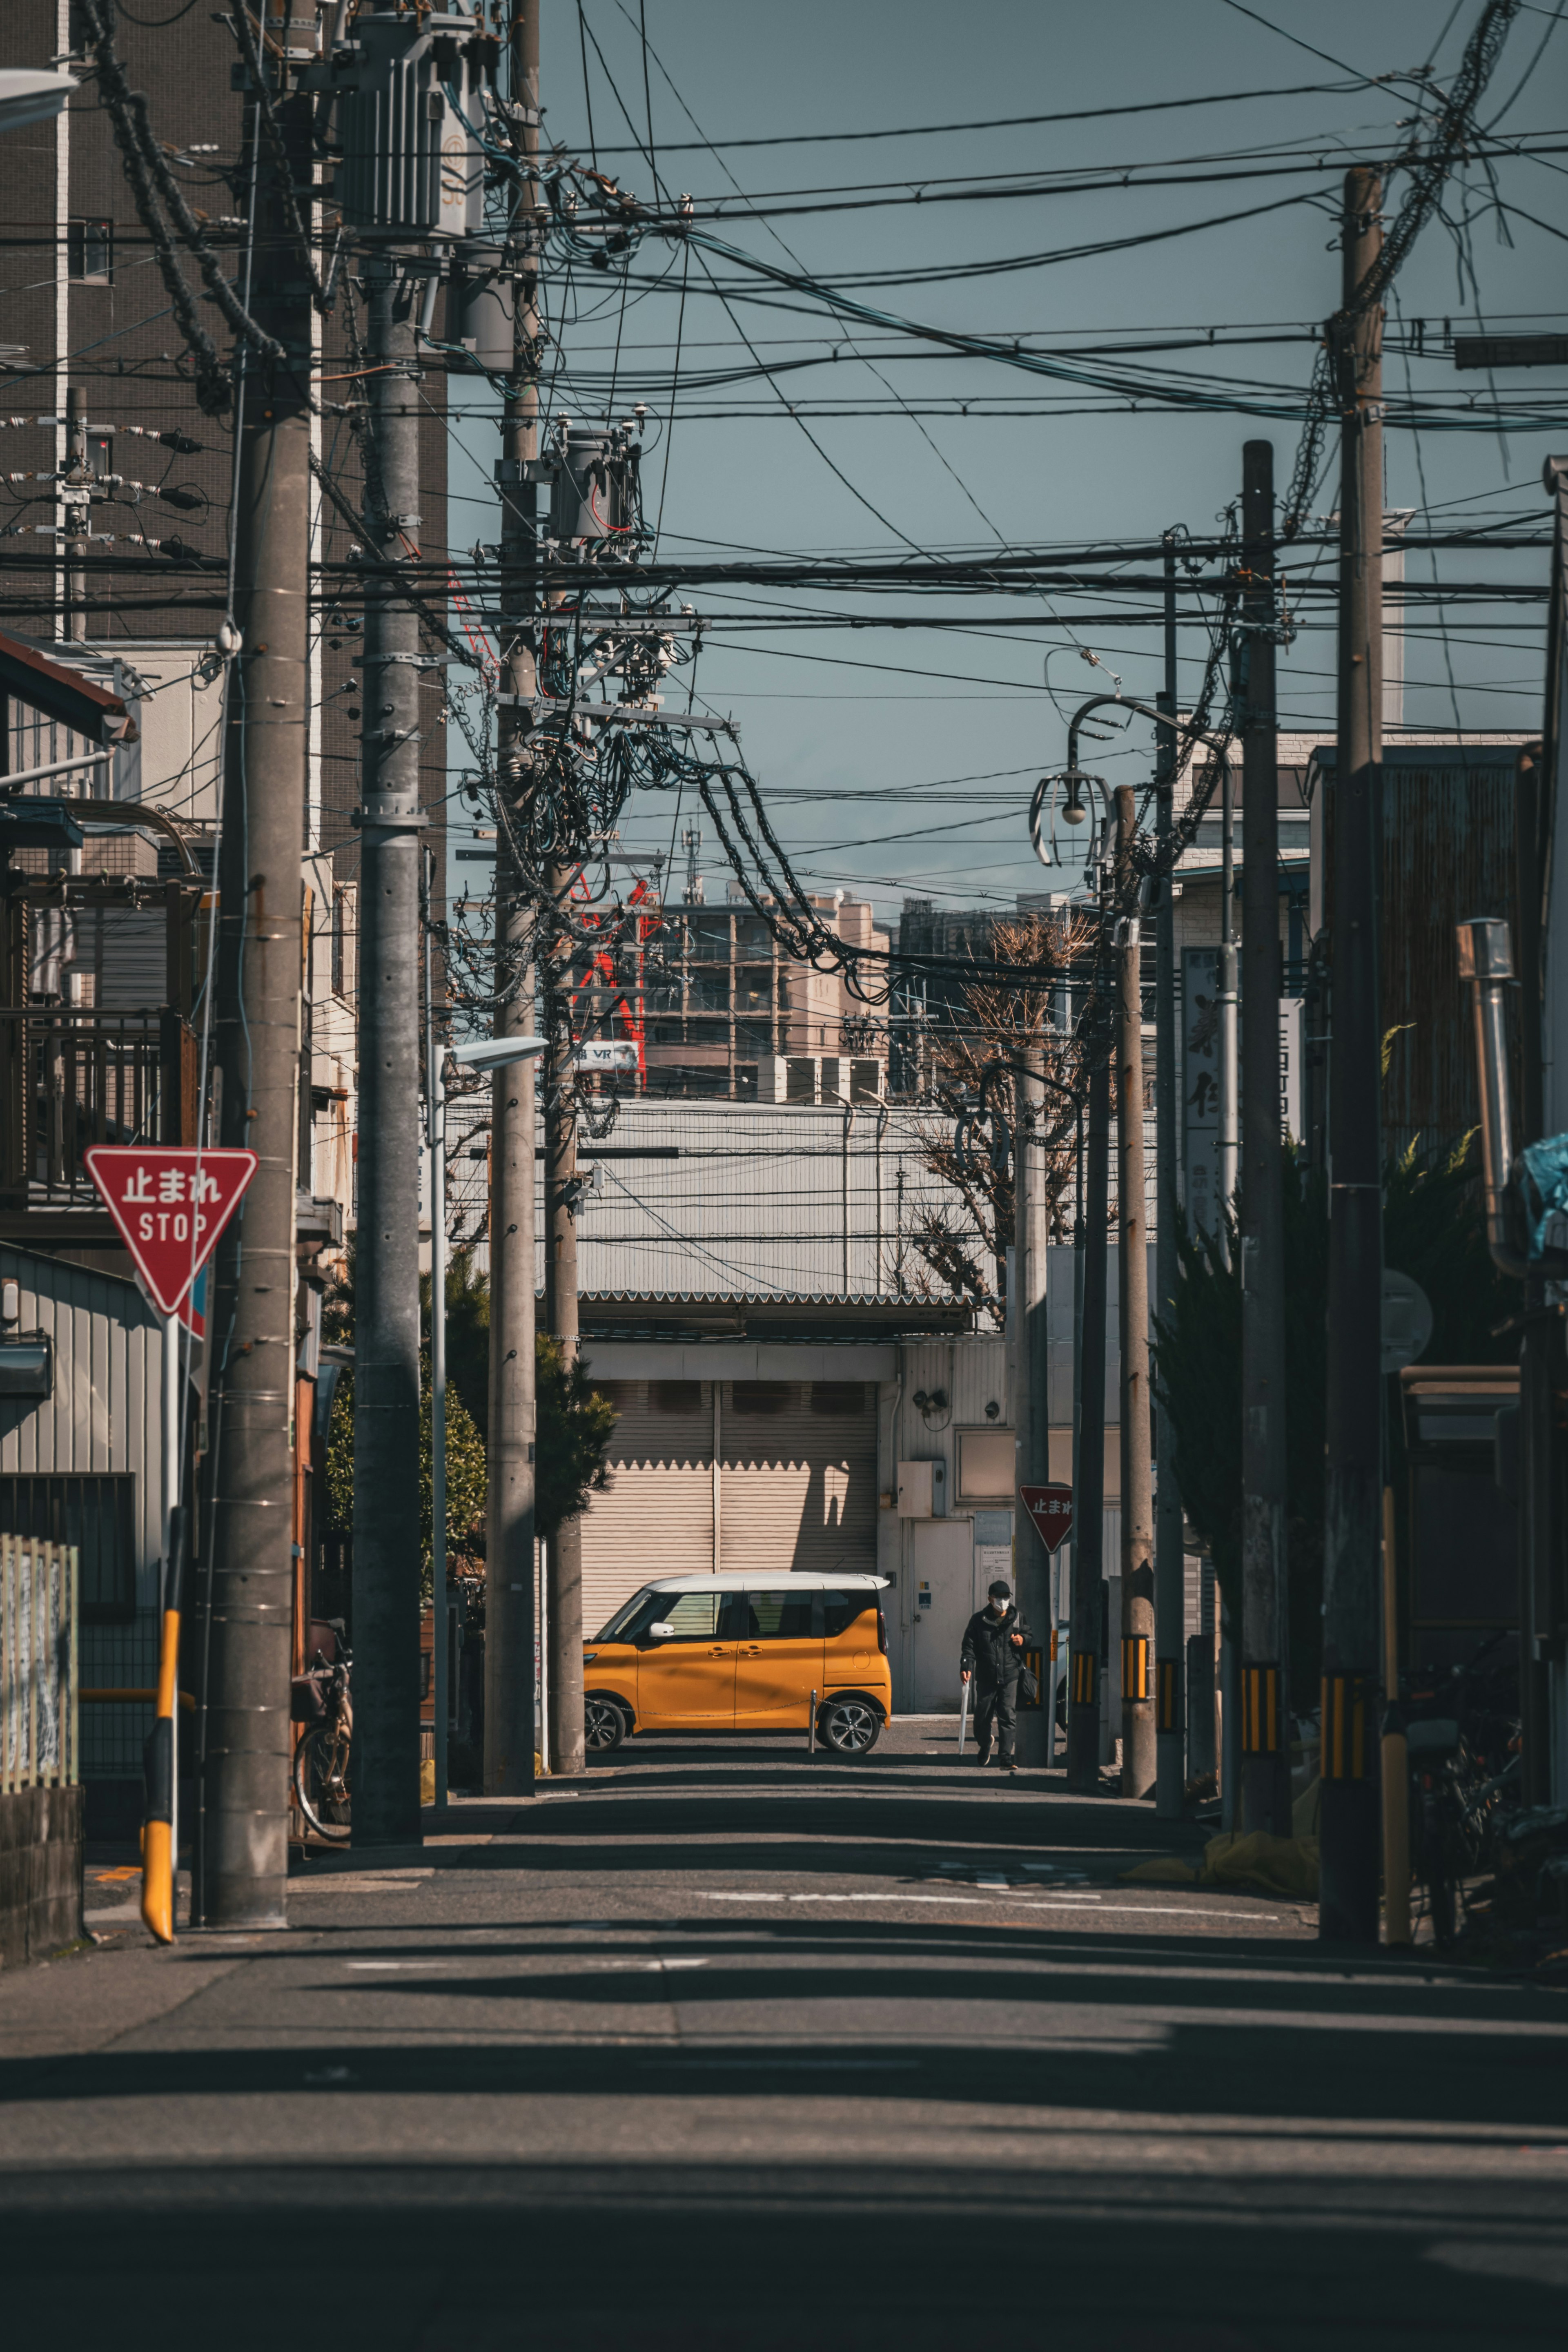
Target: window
point(838, 1398)
point(988, 1462)
point(96, 1515)
point(696, 1616)
point(760, 1396)
point(778, 1616)
point(89, 252)
point(675, 1396)
point(839, 1611)
point(340, 944)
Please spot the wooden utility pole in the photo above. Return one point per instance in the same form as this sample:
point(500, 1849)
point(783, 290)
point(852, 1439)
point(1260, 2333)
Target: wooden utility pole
point(1133, 1235)
point(245, 1571)
point(1088, 1497)
point(1349, 1827)
point(1170, 1565)
point(1265, 1617)
point(509, 1622)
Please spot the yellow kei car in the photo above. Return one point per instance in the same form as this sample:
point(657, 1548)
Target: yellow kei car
point(743, 1654)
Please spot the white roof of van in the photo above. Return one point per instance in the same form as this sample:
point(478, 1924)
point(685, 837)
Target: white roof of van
point(729, 1581)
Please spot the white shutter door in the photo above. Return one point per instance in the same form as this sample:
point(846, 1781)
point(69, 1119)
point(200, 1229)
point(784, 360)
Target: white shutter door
point(657, 1517)
point(798, 1488)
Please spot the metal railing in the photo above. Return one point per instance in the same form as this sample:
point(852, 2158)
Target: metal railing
point(40, 1746)
point(73, 1076)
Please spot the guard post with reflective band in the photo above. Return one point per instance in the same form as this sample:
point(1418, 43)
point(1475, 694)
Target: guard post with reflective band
point(1345, 1746)
point(1136, 1649)
point(1165, 1689)
point(160, 1757)
point(1260, 1710)
point(1083, 1663)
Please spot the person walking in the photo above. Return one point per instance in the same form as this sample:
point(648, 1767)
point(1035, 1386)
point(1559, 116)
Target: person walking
point(993, 1649)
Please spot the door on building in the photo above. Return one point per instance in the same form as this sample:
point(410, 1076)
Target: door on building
point(779, 1659)
point(688, 1676)
point(944, 1602)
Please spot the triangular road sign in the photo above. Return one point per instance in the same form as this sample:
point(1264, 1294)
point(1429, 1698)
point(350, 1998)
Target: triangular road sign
point(1050, 1509)
point(170, 1201)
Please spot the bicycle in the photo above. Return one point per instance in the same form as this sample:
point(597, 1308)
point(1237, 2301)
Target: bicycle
point(1461, 1788)
point(322, 1758)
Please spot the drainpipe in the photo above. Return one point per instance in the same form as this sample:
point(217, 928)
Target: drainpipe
point(1486, 962)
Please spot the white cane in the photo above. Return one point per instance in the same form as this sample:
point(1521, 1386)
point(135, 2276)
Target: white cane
point(963, 1717)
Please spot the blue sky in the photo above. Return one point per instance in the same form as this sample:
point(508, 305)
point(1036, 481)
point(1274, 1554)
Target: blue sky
point(899, 762)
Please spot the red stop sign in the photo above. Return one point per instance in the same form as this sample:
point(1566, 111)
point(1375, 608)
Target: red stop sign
point(170, 1201)
point(1050, 1509)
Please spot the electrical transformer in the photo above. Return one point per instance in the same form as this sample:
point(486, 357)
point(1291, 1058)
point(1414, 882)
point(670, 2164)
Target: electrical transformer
point(410, 112)
point(594, 490)
point(484, 309)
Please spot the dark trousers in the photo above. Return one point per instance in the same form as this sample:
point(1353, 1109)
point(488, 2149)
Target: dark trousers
point(998, 1707)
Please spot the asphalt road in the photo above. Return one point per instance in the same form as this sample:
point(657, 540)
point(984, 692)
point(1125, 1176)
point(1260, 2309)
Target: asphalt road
point(722, 2048)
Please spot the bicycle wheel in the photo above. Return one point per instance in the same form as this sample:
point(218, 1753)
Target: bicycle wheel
point(321, 1780)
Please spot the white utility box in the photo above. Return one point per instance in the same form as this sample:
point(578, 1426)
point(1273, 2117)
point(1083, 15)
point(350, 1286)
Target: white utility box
point(921, 1489)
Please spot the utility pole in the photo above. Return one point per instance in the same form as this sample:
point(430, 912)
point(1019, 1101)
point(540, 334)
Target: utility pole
point(1170, 1564)
point(78, 513)
point(243, 1733)
point(436, 1142)
point(510, 1672)
point(1265, 1610)
point(1349, 1830)
point(1032, 1417)
point(386, 1277)
point(1137, 1484)
point(1230, 1060)
point(1089, 1500)
point(563, 1610)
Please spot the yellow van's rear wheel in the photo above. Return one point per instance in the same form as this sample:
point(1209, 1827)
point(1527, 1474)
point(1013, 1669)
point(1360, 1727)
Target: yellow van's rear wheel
point(604, 1725)
point(849, 1726)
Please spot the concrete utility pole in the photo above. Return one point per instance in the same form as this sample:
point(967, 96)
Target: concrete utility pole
point(509, 1669)
point(1089, 1500)
point(386, 1274)
point(246, 1577)
point(1170, 1565)
point(1226, 1167)
point(78, 514)
point(1137, 1483)
point(1031, 1416)
point(563, 1608)
point(1265, 1611)
point(435, 1145)
point(1349, 1831)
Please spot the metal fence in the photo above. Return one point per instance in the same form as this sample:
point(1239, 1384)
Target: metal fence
point(75, 1077)
point(39, 1743)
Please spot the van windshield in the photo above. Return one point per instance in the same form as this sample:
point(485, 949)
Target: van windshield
point(622, 1619)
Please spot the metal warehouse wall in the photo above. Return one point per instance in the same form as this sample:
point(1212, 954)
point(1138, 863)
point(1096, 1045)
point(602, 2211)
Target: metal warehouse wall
point(105, 1415)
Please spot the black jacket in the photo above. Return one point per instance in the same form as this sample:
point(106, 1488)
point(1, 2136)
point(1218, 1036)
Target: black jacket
point(988, 1653)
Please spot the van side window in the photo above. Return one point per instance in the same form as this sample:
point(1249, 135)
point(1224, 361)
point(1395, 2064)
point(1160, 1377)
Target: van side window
point(695, 1616)
point(839, 1611)
point(779, 1616)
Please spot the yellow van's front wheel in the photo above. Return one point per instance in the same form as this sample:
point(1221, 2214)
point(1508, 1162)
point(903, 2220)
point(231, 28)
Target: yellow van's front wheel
point(849, 1726)
point(604, 1725)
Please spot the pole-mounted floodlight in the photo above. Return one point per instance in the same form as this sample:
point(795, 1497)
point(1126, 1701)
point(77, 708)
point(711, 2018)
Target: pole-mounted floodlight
point(498, 1052)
